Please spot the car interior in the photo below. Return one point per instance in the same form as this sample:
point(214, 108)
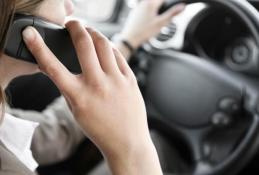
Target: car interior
point(199, 80)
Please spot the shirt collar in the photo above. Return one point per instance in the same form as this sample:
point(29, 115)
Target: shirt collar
point(16, 134)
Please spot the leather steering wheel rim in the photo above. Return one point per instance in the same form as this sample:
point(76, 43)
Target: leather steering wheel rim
point(247, 13)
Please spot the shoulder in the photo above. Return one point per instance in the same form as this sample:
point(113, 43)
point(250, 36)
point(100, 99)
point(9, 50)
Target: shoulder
point(10, 165)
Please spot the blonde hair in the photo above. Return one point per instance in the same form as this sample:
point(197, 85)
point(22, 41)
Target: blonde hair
point(8, 8)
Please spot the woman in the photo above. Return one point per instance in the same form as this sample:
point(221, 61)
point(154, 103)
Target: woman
point(119, 129)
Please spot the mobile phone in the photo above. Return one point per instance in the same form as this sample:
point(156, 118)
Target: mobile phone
point(56, 37)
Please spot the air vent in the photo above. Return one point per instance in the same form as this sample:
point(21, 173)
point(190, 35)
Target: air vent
point(167, 32)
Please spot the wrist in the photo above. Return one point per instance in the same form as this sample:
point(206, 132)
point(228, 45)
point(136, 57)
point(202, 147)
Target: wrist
point(141, 159)
point(134, 43)
point(125, 46)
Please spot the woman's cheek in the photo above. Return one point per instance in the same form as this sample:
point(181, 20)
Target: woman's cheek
point(53, 11)
point(69, 7)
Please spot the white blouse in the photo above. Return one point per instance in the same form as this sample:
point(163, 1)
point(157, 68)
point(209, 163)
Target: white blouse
point(16, 134)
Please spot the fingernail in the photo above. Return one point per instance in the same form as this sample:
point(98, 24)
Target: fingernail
point(28, 34)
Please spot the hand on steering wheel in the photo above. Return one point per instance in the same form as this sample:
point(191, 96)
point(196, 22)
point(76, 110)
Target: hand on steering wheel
point(144, 22)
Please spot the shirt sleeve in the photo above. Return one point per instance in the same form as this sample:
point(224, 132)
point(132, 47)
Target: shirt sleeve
point(58, 134)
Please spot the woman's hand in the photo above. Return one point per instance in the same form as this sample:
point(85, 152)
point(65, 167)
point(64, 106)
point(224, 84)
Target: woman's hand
point(105, 99)
point(144, 22)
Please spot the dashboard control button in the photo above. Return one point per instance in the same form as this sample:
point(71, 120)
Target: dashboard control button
point(221, 119)
point(229, 105)
point(240, 54)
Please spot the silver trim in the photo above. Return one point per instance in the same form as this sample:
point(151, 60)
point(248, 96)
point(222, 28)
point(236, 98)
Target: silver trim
point(182, 21)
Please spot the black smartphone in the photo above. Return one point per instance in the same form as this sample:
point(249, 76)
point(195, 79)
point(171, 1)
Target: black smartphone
point(56, 38)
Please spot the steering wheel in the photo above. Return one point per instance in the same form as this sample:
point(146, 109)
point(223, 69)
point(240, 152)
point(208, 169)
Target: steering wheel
point(212, 109)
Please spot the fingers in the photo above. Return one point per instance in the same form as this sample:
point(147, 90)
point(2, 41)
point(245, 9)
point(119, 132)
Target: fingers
point(158, 2)
point(85, 49)
point(153, 5)
point(104, 52)
point(47, 60)
point(122, 63)
point(169, 14)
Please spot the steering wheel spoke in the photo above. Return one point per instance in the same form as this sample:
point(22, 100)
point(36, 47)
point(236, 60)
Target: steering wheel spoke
point(205, 105)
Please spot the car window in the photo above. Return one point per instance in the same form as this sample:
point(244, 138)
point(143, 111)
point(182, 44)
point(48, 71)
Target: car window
point(95, 10)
